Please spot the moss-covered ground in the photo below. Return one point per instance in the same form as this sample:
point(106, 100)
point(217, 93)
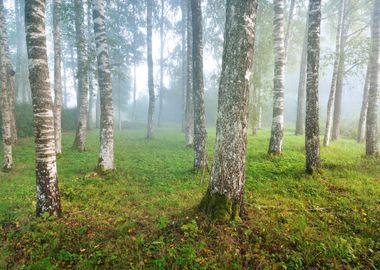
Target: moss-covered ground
point(143, 215)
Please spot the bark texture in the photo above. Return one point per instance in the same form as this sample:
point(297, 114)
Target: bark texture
point(300, 122)
point(200, 134)
point(48, 199)
point(363, 111)
point(106, 151)
point(83, 85)
point(224, 198)
point(189, 127)
point(334, 81)
point(57, 75)
point(277, 131)
point(312, 147)
point(373, 97)
point(152, 98)
point(4, 100)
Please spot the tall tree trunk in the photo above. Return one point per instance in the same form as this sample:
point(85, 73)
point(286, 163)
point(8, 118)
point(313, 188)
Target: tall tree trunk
point(189, 127)
point(256, 99)
point(340, 78)
point(106, 156)
point(4, 101)
point(152, 98)
point(134, 65)
point(65, 92)
point(277, 132)
point(363, 111)
point(289, 25)
point(312, 147)
point(184, 23)
point(224, 198)
point(337, 62)
point(82, 56)
point(91, 55)
point(161, 94)
point(200, 133)
point(48, 199)
point(300, 122)
point(373, 98)
point(57, 75)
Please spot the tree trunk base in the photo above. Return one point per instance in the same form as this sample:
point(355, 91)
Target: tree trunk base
point(219, 207)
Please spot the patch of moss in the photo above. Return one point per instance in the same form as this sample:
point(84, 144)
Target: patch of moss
point(219, 207)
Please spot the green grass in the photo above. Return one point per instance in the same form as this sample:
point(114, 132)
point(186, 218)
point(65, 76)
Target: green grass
point(143, 215)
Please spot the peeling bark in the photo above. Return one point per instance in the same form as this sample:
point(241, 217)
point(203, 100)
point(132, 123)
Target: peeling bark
point(224, 198)
point(312, 147)
point(48, 199)
point(106, 151)
point(373, 96)
point(83, 85)
point(277, 131)
point(200, 133)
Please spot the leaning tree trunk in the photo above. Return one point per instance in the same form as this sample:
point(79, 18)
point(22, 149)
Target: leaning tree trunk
point(161, 94)
point(152, 99)
point(57, 75)
point(277, 132)
point(106, 156)
point(48, 199)
point(83, 86)
point(224, 198)
point(200, 133)
point(4, 98)
point(300, 122)
point(363, 111)
point(189, 127)
point(337, 62)
point(313, 162)
point(373, 98)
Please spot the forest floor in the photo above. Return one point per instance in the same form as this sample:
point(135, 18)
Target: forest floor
point(143, 216)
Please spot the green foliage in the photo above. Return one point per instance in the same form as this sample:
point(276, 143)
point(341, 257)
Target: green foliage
point(143, 216)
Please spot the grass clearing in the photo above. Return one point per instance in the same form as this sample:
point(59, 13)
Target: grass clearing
point(142, 216)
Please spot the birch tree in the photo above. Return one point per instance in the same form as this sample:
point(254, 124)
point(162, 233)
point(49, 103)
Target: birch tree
point(83, 85)
point(152, 98)
point(106, 151)
point(224, 198)
point(200, 133)
point(57, 75)
point(335, 74)
point(277, 131)
point(313, 162)
point(364, 107)
point(189, 127)
point(48, 199)
point(373, 96)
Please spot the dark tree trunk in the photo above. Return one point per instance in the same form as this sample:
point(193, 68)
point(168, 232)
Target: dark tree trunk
point(224, 198)
point(200, 133)
point(312, 147)
point(48, 199)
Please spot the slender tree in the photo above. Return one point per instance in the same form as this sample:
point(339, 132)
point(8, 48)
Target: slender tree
point(224, 198)
point(106, 153)
point(57, 74)
point(335, 75)
point(313, 162)
point(184, 51)
point(161, 93)
point(83, 85)
point(4, 98)
point(189, 127)
point(152, 98)
point(48, 199)
point(200, 133)
point(363, 111)
point(300, 122)
point(277, 132)
point(373, 96)
point(288, 27)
